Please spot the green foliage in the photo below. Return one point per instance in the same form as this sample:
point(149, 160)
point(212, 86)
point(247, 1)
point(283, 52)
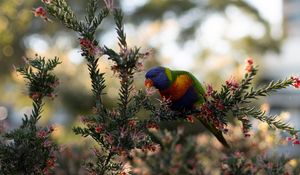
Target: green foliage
point(29, 149)
point(118, 131)
point(238, 102)
point(41, 82)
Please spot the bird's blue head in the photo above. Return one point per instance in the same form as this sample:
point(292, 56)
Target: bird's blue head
point(158, 78)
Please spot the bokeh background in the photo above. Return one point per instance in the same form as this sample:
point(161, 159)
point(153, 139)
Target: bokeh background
point(210, 38)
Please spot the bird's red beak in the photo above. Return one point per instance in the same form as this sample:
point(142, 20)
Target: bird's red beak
point(148, 83)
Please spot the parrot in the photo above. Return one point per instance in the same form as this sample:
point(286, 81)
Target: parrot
point(183, 90)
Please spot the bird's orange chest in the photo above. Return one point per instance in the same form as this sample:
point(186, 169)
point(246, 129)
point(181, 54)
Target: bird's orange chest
point(178, 88)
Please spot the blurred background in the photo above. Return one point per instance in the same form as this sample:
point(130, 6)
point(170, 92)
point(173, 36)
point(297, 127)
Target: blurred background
point(210, 38)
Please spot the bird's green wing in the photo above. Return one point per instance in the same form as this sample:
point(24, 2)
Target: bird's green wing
point(199, 88)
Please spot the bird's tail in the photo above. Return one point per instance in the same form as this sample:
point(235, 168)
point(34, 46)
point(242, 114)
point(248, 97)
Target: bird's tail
point(217, 133)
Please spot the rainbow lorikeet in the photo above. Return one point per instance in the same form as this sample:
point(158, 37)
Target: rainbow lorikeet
point(183, 90)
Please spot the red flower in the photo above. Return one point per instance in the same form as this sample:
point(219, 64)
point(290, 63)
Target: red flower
point(249, 64)
point(296, 82)
point(152, 148)
point(249, 61)
point(190, 119)
point(50, 163)
point(35, 95)
point(98, 129)
point(219, 105)
point(149, 147)
point(42, 134)
point(296, 142)
point(152, 125)
point(90, 47)
point(209, 90)
point(232, 84)
point(132, 123)
point(206, 111)
point(40, 12)
point(85, 43)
